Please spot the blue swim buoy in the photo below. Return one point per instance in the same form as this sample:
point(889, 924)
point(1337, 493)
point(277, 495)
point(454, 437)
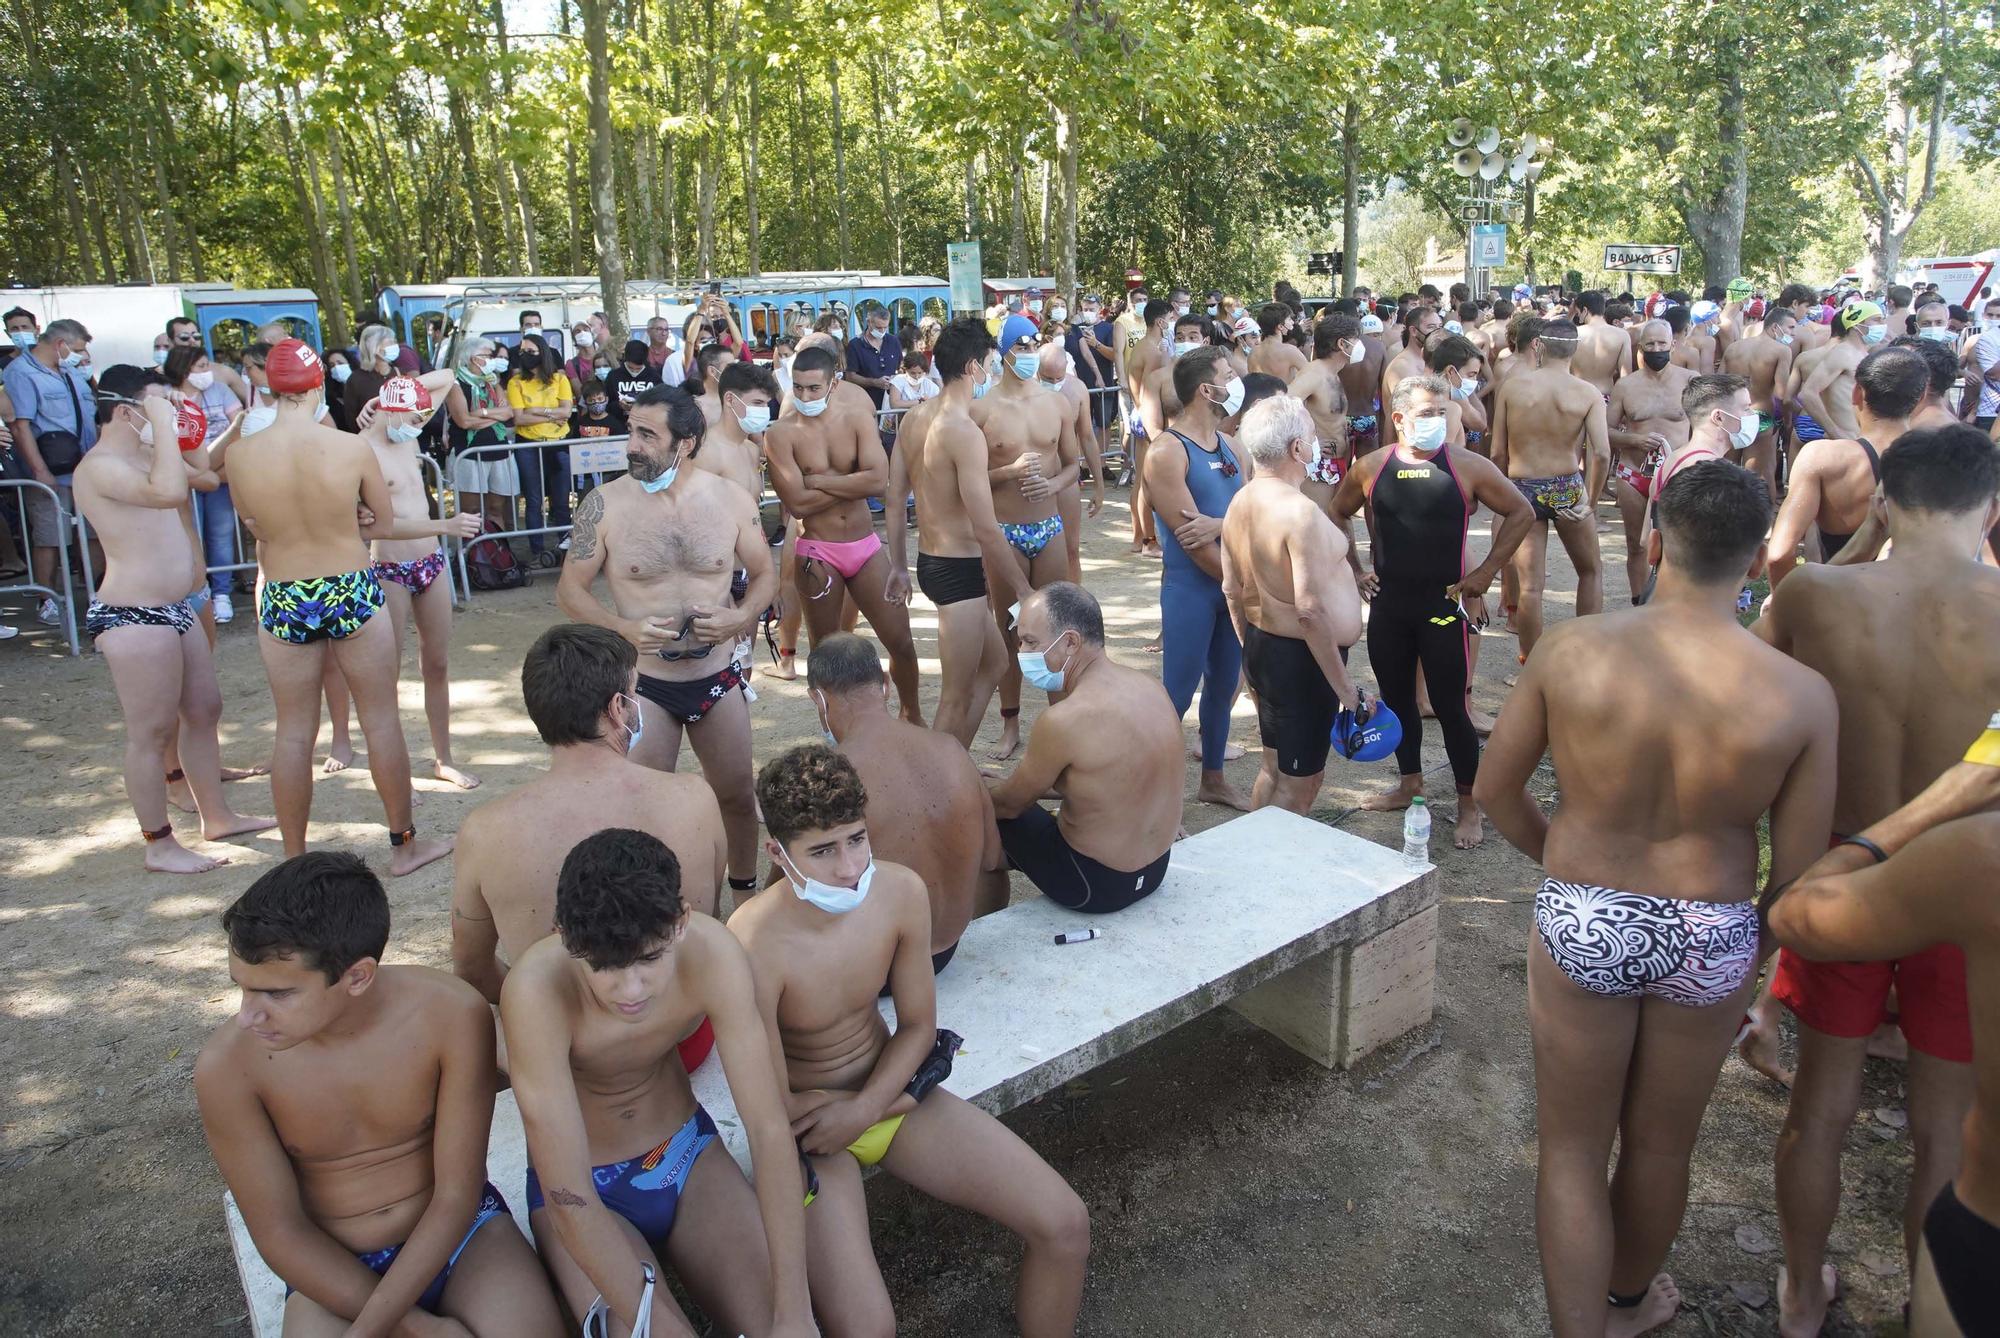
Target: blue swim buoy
point(1368, 733)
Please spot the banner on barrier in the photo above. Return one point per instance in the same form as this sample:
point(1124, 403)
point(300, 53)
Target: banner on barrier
point(595, 457)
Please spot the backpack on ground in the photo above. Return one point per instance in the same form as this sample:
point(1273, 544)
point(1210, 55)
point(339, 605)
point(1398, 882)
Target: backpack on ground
point(490, 564)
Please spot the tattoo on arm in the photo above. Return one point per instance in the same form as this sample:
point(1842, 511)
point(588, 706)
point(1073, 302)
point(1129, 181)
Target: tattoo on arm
point(583, 533)
point(567, 1198)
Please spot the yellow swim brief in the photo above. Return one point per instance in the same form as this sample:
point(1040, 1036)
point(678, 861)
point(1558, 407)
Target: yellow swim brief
point(873, 1145)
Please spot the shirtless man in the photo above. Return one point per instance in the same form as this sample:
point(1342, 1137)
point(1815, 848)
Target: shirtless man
point(409, 569)
point(1056, 377)
point(579, 685)
point(625, 1168)
point(1031, 456)
point(941, 455)
point(820, 952)
point(1935, 409)
point(1409, 361)
point(1897, 299)
point(1699, 344)
point(1803, 303)
point(928, 810)
point(132, 487)
point(1765, 361)
point(1631, 1027)
point(1361, 379)
point(1913, 689)
point(1322, 387)
point(1933, 849)
point(1143, 361)
point(747, 396)
point(297, 483)
point(1549, 435)
point(1826, 391)
point(1293, 604)
point(669, 541)
point(1603, 353)
point(1645, 424)
point(1274, 356)
point(1427, 608)
point(347, 1106)
point(1111, 747)
point(1833, 481)
point(824, 467)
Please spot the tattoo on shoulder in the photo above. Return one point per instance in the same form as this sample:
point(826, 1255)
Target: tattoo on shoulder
point(583, 532)
point(567, 1198)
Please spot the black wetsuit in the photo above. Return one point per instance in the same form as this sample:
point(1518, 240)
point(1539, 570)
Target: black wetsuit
point(1829, 544)
point(1420, 516)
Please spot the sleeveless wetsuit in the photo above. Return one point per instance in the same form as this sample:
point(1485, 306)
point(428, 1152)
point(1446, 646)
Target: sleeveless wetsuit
point(1197, 641)
point(1420, 516)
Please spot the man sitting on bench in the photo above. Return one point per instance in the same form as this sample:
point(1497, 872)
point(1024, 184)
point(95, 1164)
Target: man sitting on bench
point(347, 1106)
point(1110, 745)
point(820, 945)
point(624, 1167)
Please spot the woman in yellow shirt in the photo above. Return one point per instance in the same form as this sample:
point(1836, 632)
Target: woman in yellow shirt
point(540, 394)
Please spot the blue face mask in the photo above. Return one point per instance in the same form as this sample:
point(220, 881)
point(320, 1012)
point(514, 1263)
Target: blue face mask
point(1026, 364)
point(72, 359)
point(665, 480)
point(813, 408)
point(159, 354)
point(1874, 334)
point(1035, 668)
point(1465, 390)
point(979, 388)
point(833, 900)
point(754, 419)
point(820, 702)
point(1937, 334)
point(25, 340)
point(638, 725)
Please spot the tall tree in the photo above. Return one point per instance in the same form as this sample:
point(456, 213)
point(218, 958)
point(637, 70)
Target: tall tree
point(603, 192)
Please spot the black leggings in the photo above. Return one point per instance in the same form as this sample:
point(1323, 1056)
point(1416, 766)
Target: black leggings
point(1036, 846)
point(1412, 624)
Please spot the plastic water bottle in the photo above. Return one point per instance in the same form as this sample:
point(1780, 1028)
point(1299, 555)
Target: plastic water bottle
point(1417, 834)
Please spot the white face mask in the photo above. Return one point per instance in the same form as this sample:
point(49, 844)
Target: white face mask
point(833, 900)
point(1427, 434)
point(340, 371)
point(257, 419)
point(812, 408)
point(1232, 397)
point(201, 380)
point(754, 419)
point(584, 339)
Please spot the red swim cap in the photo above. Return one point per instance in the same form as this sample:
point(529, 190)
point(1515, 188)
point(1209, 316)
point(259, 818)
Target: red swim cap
point(404, 394)
point(293, 369)
point(190, 424)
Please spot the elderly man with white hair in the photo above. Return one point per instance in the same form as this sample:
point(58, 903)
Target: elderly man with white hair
point(1420, 496)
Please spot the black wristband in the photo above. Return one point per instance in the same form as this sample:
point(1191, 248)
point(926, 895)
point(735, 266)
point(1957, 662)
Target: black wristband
point(1881, 855)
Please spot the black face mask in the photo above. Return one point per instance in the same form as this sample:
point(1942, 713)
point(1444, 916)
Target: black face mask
point(1657, 361)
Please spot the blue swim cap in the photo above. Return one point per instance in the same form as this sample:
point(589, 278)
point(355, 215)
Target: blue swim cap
point(1367, 734)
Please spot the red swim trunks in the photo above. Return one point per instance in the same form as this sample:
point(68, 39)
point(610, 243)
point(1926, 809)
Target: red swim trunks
point(696, 1047)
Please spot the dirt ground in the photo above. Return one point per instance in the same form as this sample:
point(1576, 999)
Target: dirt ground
point(1234, 1187)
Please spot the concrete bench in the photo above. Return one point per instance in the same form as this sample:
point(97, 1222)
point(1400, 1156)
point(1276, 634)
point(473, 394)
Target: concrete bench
point(1323, 939)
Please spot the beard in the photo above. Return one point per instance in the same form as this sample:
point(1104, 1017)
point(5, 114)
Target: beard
point(643, 467)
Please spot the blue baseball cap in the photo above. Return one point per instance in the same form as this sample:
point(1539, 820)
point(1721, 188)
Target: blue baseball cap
point(1013, 330)
point(1368, 733)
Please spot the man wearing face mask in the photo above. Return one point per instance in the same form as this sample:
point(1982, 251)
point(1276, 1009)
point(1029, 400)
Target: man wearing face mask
point(1031, 454)
point(1646, 423)
point(1058, 379)
point(1147, 366)
point(1720, 420)
point(1322, 387)
point(1833, 481)
point(1409, 361)
point(295, 484)
point(1935, 409)
point(579, 685)
point(820, 945)
point(874, 354)
point(581, 366)
point(669, 540)
point(633, 376)
point(1420, 496)
point(133, 489)
point(709, 364)
point(1827, 391)
point(1765, 361)
point(1111, 746)
point(23, 329)
point(1549, 435)
point(1981, 364)
point(55, 422)
point(746, 397)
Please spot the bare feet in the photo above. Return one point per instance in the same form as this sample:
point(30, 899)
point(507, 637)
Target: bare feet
point(1759, 1049)
point(1152, 647)
point(1470, 829)
point(1424, 708)
point(1802, 1311)
point(1662, 1300)
point(464, 780)
point(167, 855)
point(235, 824)
point(409, 858)
point(1482, 723)
point(786, 669)
point(1152, 548)
point(338, 758)
point(180, 796)
point(243, 773)
point(914, 713)
point(1391, 801)
point(1231, 752)
point(1010, 739)
point(1888, 1043)
point(1220, 791)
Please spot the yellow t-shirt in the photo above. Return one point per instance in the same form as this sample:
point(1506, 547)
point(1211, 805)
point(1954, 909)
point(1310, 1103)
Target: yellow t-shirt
point(554, 394)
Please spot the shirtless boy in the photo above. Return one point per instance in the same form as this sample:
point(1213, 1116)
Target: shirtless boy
point(1274, 356)
point(1765, 361)
point(1143, 361)
point(1292, 600)
point(132, 488)
point(1409, 360)
point(625, 1167)
point(1631, 1028)
point(1826, 390)
point(1321, 387)
point(1055, 376)
point(1111, 748)
point(1911, 645)
point(1603, 352)
point(580, 687)
point(347, 1106)
point(1645, 424)
point(298, 482)
point(941, 454)
point(1361, 379)
point(1549, 435)
point(669, 541)
point(1031, 457)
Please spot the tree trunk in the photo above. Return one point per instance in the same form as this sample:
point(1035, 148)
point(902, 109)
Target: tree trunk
point(1067, 153)
point(503, 191)
point(573, 188)
point(753, 257)
point(845, 259)
point(890, 209)
point(971, 195)
point(1350, 196)
point(805, 200)
point(93, 205)
point(132, 224)
point(66, 184)
point(1715, 219)
point(524, 209)
point(1888, 209)
point(466, 172)
point(399, 247)
point(1017, 234)
point(603, 194)
point(1044, 263)
point(344, 209)
point(325, 269)
point(158, 137)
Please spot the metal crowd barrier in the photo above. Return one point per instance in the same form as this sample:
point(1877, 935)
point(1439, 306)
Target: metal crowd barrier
point(66, 527)
point(583, 464)
point(1114, 445)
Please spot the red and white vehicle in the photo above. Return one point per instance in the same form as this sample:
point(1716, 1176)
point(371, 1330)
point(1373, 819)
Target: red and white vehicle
point(1959, 278)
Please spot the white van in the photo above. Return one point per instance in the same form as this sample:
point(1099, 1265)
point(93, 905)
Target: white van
point(1960, 279)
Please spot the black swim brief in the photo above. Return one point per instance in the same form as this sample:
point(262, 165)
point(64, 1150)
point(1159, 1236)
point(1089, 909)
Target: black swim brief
point(1295, 703)
point(102, 618)
point(1035, 845)
point(939, 961)
point(1963, 1247)
point(950, 580)
point(688, 700)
